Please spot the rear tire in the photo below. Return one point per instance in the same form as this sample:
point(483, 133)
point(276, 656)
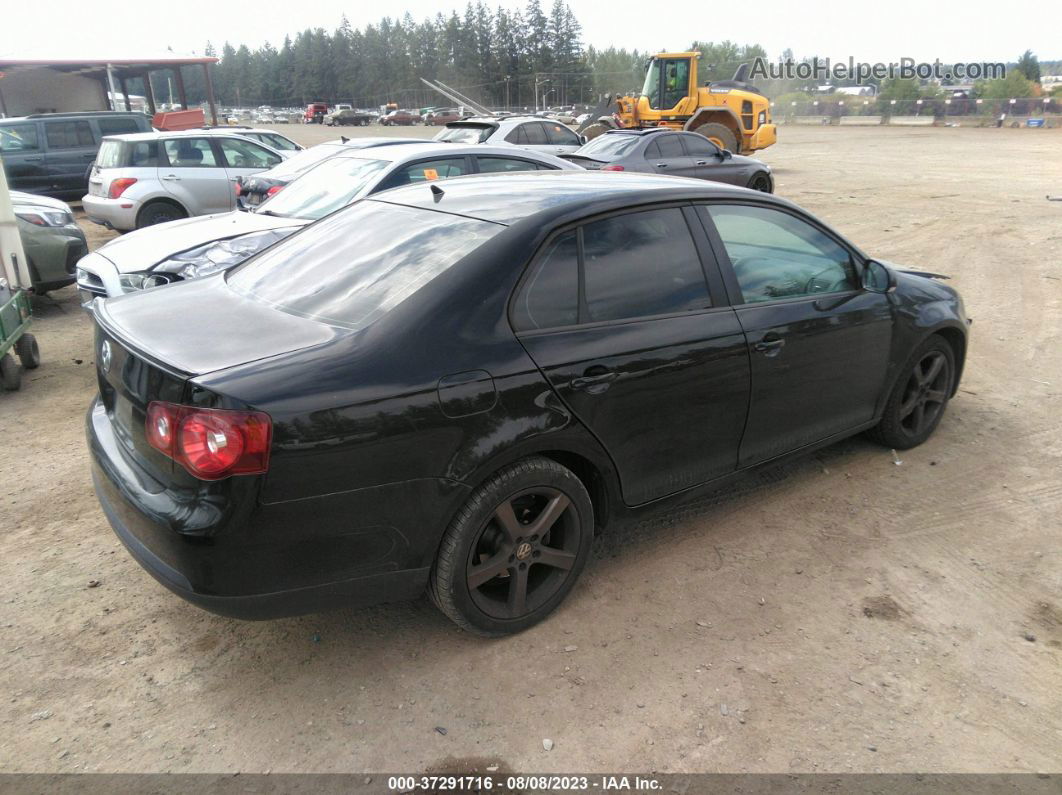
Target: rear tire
point(159, 213)
point(719, 134)
point(919, 398)
point(10, 373)
point(514, 550)
point(29, 353)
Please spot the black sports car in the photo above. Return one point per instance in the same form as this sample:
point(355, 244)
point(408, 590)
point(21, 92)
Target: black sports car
point(452, 386)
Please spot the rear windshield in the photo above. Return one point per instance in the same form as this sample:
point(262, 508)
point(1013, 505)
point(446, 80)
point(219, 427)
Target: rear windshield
point(609, 146)
point(325, 188)
point(352, 268)
point(465, 133)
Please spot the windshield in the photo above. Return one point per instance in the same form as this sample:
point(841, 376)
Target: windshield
point(465, 133)
point(304, 160)
point(609, 145)
point(325, 188)
point(351, 269)
point(651, 86)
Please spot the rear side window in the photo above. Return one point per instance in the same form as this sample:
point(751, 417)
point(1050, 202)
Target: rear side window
point(15, 138)
point(355, 266)
point(110, 126)
point(190, 153)
point(494, 165)
point(144, 153)
point(535, 133)
point(624, 267)
point(665, 146)
point(68, 134)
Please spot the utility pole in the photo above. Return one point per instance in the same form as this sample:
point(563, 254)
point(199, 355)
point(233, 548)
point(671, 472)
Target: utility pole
point(507, 79)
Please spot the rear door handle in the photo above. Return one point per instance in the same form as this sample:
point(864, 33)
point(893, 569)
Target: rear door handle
point(36, 159)
point(594, 380)
point(702, 162)
point(661, 165)
point(769, 345)
point(171, 178)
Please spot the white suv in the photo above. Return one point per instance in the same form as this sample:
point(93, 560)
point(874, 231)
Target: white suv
point(143, 179)
point(527, 132)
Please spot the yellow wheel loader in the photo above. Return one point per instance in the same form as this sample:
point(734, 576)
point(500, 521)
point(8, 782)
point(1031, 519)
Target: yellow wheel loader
point(732, 114)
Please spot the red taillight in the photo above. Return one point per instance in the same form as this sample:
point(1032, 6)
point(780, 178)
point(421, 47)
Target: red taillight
point(210, 443)
point(274, 190)
point(238, 188)
point(119, 186)
point(613, 168)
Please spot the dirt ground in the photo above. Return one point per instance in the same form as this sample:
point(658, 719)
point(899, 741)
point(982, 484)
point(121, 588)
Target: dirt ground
point(850, 612)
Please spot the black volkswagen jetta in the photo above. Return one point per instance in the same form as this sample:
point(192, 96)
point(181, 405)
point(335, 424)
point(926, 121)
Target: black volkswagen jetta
point(453, 386)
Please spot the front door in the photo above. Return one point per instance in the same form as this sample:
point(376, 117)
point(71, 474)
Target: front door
point(22, 152)
point(195, 177)
point(818, 343)
point(620, 318)
point(71, 151)
point(244, 158)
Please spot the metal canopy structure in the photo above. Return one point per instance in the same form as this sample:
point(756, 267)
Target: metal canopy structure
point(113, 75)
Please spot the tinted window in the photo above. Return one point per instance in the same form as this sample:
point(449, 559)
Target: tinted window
point(111, 126)
point(667, 146)
point(534, 134)
point(698, 145)
point(425, 171)
point(641, 264)
point(493, 165)
point(561, 135)
point(18, 138)
point(549, 297)
point(189, 152)
point(244, 154)
point(354, 267)
point(517, 136)
point(776, 255)
point(68, 134)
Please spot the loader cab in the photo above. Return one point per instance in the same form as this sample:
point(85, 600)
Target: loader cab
point(669, 80)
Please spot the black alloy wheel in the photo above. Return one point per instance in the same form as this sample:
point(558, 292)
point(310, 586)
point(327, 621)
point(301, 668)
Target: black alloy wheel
point(919, 398)
point(515, 549)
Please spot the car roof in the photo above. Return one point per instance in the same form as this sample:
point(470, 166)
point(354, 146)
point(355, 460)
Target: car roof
point(222, 132)
point(641, 131)
point(545, 195)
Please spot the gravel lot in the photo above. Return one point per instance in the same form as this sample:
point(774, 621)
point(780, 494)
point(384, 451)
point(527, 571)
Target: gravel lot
point(846, 613)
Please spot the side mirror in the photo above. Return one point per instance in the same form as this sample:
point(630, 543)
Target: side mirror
point(582, 139)
point(877, 278)
point(725, 154)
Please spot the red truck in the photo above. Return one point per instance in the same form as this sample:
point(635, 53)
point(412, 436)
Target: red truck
point(315, 113)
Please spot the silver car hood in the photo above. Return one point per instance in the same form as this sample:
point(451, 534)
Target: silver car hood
point(139, 250)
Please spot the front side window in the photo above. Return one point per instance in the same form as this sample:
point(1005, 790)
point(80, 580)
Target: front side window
point(623, 267)
point(15, 138)
point(190, 153)
point(244, 154)
point(559, 135)
point(425, 171)
point(698, 146)
point(776, 255)
point(68, 134)
point(351, 269)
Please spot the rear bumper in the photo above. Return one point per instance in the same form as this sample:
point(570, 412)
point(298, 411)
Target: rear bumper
point(112, 213)
point(252, 561)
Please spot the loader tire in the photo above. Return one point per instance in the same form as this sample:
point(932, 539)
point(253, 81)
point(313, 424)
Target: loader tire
point(719, 134)
point(595, 129)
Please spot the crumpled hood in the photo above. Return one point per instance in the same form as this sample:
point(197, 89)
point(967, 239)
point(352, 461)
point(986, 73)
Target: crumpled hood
point(140, 250)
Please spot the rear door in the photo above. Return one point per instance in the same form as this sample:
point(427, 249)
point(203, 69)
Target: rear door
point(22, 150)
point(531, 135)
point(665, 155)
point(71, 149)
point(818, 343)
point(625, 316)
point(194, 175)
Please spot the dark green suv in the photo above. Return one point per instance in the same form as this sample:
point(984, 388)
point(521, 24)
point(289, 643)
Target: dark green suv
point(51, 153)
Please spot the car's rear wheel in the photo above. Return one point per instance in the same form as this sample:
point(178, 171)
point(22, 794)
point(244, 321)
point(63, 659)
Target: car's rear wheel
point(159, 213)
point(921, 395)
point(513, 552)
point(760, 182)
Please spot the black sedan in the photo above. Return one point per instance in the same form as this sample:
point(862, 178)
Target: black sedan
point(680, 154)
point(453, 386)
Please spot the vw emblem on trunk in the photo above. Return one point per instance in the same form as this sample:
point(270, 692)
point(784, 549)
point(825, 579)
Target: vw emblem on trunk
point(105, 355)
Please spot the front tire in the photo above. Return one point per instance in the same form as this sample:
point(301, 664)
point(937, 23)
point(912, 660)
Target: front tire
point(761, 182)
point(919, 398)
point(514, 550)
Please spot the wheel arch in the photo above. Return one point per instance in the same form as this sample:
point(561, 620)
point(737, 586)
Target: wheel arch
point(721, 115)
point(955, 338)
point(157, 199)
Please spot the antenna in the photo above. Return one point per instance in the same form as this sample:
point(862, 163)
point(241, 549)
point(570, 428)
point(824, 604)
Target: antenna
point(437, 192)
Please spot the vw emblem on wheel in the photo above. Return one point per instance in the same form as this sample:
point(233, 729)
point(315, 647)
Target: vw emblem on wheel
point(523, 551)
point(105, 355)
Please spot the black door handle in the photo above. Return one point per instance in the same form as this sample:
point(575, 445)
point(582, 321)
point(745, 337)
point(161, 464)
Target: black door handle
point(702, 162)
point(595, 380)
point(769, 345)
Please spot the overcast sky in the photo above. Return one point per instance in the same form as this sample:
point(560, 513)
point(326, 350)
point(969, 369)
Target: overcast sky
point(970, 31)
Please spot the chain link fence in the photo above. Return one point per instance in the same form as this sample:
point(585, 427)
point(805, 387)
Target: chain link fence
point(1043, 111)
